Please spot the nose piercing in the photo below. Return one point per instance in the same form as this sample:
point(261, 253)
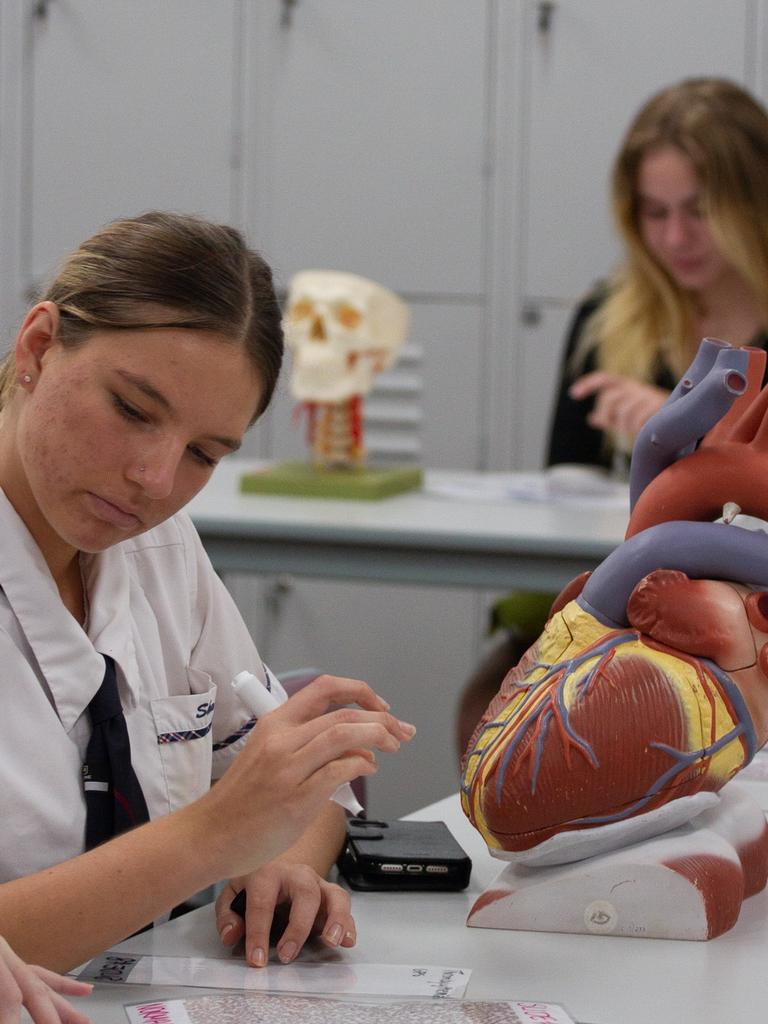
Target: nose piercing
point(142, 469)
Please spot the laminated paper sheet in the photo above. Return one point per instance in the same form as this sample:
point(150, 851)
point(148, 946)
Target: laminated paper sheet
point(349, 979)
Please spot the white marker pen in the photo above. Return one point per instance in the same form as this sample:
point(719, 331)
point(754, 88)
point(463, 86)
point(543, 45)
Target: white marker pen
point(259, 701)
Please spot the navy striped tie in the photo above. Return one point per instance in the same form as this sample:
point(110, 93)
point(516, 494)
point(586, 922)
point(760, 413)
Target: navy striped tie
point(114, 801)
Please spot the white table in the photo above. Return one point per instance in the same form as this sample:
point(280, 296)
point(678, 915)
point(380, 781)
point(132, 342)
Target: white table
point(600, 979)
point(410, 538)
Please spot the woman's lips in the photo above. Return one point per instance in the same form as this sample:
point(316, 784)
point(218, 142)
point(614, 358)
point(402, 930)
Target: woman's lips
point(688, 266)
point(111, 513)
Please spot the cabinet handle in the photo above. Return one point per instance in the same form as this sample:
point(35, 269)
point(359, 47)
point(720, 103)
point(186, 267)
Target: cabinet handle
point(277, 591)
point(40, 10)
point(546, 10)
point(530, 314)
point(283, 584)
point(286, 18)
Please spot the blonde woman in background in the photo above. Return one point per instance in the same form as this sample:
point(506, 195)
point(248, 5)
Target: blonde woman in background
point(690, 198)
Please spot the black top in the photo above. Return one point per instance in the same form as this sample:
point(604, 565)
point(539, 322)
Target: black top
point(571, 438)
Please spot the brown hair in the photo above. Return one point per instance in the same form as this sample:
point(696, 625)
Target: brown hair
point(189, 272)
point(723, 131)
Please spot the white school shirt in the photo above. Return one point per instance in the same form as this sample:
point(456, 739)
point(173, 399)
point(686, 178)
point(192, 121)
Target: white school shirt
point(157, 607)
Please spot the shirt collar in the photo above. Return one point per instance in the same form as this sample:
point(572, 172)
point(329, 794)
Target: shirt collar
point(107, 583)
point(68, 658)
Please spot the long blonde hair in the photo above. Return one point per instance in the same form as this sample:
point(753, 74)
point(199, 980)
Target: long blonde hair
point(724, 133)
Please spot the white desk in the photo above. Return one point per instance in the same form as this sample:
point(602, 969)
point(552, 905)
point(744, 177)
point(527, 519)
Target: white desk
point(410, 538)
point(600, 979)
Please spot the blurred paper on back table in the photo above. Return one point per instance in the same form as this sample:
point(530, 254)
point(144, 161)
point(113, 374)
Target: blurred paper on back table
point(558, 485)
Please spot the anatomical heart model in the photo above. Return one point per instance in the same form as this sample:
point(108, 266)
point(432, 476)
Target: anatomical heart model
point(597, 768)
point(343, 330)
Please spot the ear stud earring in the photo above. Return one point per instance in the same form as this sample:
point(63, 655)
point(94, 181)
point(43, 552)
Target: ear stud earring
point(26, 378)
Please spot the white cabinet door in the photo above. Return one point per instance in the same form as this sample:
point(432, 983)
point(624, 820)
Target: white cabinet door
point(366, 139)
point(541, 340)
point(588, 73)
point(130, 107)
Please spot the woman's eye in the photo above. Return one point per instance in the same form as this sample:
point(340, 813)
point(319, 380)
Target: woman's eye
point(654, 212)
point(127, 411)
point(202, 457)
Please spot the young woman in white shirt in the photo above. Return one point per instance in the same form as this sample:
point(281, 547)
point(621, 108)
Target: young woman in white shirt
point(148, 357)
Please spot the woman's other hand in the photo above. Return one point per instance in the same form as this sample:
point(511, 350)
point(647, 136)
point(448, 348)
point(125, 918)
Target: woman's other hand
point(292, 902)
point(622, 405)
point(39, 990)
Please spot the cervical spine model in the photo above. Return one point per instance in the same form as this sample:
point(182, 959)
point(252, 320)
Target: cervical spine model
point(648, 689)
point(342, 330)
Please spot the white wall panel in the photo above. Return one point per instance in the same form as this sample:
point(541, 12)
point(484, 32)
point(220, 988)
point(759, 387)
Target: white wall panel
point(132, 107)
point(366, 139)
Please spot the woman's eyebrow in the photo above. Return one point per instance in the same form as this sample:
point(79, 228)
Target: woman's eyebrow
point(227, 442)
point(151, 392)
point(146, 388)
point(645, 197)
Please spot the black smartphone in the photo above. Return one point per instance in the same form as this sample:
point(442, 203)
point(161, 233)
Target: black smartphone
point(386, 856)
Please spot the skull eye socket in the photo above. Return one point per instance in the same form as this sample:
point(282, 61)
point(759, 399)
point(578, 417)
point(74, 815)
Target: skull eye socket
point(301, 310)
point(348, 316)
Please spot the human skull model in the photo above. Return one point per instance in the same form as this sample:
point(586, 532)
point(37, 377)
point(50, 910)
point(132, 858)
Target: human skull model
point(342, 329)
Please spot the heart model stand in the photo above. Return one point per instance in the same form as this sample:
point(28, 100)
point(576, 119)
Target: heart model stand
point(688, 883)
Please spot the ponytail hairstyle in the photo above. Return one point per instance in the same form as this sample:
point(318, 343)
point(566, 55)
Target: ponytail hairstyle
point(163, 270)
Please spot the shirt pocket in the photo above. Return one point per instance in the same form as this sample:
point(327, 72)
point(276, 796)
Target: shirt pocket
point(184, 727)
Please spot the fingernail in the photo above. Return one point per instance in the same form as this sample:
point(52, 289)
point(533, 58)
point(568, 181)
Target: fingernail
point(287, 951)
point(350, 937)
point(334, 935)
point(257, 956)
point(225, 931)
point(408, 729)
